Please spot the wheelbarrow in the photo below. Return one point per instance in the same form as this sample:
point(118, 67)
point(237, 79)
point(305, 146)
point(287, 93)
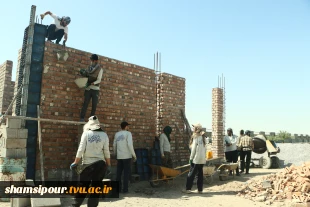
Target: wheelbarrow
point(225, 168)
point(208, 172)
point(162, 174)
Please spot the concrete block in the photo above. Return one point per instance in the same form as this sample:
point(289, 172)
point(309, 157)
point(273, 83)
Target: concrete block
point(18, 176)
point(12, 165)
point(14, 133)
point(13, 143)
point(20, 202)
point(39, 202)
point(13, 153)
point(14, 123)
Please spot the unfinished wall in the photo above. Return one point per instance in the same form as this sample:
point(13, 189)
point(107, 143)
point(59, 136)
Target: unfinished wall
point(217, 122)
point(6, 85)
point(128, 92)
point(172, 100)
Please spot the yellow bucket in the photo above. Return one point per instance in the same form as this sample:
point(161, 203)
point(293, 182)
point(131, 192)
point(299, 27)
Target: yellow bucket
point(209, 154)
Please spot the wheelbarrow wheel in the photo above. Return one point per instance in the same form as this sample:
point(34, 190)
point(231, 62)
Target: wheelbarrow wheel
point(223, 175)
point(208, 179)
point(154, 183)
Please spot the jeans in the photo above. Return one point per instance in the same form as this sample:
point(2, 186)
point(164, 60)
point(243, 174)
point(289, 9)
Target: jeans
point(123, 165)
point(232, 156)
point(52, 34)
point(92, 175)
point(245, 158)
point(94, 96)
point(195, 169)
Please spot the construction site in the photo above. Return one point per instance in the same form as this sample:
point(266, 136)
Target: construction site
point(41, 131)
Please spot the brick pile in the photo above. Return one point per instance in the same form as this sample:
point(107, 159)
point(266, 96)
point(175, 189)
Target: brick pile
point(217, 122)
point(292, 183)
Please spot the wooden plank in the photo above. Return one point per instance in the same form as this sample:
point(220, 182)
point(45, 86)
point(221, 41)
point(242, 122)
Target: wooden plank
point(40, 145)
point(47, 120)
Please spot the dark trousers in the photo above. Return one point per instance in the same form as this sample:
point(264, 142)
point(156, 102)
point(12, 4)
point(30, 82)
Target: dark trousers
point(167, 161)
point(232, 156)
point(245, 158)
point(123, 165)
point(92, 175)
point(195, 169)
point(94, 96)
point(52, 34)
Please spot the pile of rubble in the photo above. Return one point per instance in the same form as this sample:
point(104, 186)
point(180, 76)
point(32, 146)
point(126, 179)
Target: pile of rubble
point(292, 183)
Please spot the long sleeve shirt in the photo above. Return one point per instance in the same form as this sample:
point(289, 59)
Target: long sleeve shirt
point(58, 25)
point(164, 144)
point(94, 146)
point(99, 78)
point(233, 140)
point(198, 151)
point(123, 145)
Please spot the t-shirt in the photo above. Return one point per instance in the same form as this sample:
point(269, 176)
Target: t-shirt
point(57, 23)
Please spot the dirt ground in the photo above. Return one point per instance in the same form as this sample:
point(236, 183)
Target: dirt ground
point(218, 193)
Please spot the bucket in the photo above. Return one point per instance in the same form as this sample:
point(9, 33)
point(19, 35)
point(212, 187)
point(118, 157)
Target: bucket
point(81, 82)
point(209, 155)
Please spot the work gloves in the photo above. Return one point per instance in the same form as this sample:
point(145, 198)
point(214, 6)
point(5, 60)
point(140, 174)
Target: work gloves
point(72, 166)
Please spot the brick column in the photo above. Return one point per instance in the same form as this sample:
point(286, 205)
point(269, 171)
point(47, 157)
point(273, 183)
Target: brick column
point(217, 122)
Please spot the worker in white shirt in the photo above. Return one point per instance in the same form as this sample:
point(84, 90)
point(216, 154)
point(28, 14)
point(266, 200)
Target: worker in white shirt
point(165, 147)
point(123, 147)
point(197, 159)
point(58, 29)
point(95, 154)
point(231, 152)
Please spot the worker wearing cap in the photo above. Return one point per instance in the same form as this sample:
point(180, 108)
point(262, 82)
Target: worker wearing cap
point(94, 74)
point(197, 159)
point(231, 152)
point(246, 146)
point(123, 148)
point(95, 155)
point(59, 29)
point(165, 148)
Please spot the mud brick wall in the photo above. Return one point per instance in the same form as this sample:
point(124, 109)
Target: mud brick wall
point(6, 85)
point(172, 100)
point(217, 122)
point(128, 93)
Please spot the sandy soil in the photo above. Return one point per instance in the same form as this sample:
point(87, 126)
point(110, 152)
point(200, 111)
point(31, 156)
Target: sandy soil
point(218, 193)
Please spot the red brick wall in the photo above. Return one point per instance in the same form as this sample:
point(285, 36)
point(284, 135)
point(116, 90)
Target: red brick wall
point(6, 83)
point(128, 92)
point(172, 93)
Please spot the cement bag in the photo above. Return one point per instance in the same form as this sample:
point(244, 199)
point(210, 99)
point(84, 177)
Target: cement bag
point(81, 82)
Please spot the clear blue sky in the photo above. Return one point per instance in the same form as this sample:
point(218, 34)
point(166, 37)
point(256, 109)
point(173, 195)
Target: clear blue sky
point(262, 47)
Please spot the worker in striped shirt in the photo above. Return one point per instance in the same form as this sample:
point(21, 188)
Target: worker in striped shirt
point(246, 146)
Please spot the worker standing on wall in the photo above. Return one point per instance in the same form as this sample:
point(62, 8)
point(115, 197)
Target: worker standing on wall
point(95, 154)
point(94, 74)
point(165, 147)
point(57, 30)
